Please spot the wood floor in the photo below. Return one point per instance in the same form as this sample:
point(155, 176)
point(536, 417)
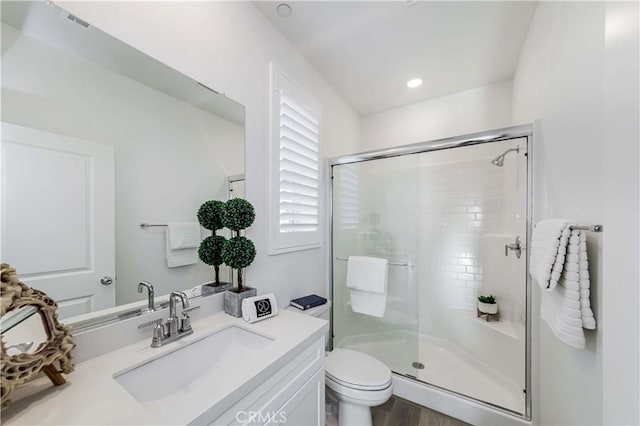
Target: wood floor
point(399, 412)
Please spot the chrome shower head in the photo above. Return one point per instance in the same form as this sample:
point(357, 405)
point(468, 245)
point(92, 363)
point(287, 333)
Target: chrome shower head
point(499, 160)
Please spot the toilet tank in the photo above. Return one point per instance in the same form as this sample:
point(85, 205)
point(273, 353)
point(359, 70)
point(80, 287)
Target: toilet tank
point(322, 312)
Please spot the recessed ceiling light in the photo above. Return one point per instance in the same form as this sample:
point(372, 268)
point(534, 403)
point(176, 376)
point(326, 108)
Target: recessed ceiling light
point(284, 10)
point(415, 82)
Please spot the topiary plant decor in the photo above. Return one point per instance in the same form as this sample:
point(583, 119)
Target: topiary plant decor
point(487, 299)
point(239, 252)
point(211, 216)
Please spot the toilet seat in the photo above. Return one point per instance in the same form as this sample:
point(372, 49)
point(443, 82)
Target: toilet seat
point(356, 370)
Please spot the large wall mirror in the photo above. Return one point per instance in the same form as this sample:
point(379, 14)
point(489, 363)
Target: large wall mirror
point(98, 138)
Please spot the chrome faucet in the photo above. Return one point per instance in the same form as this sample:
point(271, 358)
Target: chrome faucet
point(175, 328)
point(173, 322)
point(150, 296)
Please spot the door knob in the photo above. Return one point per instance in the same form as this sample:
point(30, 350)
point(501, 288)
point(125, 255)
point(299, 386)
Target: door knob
point(106, 280)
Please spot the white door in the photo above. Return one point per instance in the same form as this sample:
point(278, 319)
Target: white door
point(58, 217)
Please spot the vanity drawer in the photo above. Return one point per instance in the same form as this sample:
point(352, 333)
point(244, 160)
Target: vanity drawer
point(261, 405)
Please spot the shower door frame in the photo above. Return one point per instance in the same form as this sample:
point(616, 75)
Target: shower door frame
point(514, 132)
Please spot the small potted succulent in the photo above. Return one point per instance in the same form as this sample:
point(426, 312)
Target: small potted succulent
point(238, 253)
point(211, 217)
point(487, 305)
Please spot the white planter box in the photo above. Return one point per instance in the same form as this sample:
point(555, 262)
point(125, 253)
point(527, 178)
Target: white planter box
point(488, 308)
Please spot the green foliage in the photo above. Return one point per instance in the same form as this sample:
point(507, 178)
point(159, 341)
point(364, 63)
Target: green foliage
point(487, 299)
point(239, 214)
point(211, 214)
point(239, 252)
point(210, 251)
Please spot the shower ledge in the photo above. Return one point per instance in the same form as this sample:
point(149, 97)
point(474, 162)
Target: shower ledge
point(505, 327)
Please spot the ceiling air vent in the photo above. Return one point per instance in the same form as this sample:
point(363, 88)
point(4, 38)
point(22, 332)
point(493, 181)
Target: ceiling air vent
point(76, 20)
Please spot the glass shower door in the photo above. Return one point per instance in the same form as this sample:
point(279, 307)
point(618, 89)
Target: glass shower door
point(443, 219)
point(375, 213)
point(473, 203)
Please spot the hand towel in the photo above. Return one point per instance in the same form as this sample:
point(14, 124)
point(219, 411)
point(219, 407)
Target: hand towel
point(565, 304)
point(367, 281)
point(183, 235)
point(182, 256)
point(367, 274)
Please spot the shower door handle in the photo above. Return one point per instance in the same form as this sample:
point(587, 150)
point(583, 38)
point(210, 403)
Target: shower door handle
point(516, 246)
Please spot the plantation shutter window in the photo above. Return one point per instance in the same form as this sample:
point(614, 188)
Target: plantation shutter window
point(295, 166)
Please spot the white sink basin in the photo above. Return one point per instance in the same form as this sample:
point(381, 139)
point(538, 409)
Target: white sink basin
point(178, 371)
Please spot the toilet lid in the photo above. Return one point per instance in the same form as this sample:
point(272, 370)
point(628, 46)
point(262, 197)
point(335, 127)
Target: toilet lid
point(357, 370)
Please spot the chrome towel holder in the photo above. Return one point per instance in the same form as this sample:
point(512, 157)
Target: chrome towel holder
point(592, 228)
point(390, 263)
point(145, 225)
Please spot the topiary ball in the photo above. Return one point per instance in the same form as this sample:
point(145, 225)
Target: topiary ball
point(239, 214)
point(211, 214)
point(210, 251)
point(239, 252)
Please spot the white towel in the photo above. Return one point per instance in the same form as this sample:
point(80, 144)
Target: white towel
point(181, 256)
point(563, 321)
point(566, 307)
point(183, 235)
point(367, 281)
point(367, 274)
point(588, 321)
point(548, 249)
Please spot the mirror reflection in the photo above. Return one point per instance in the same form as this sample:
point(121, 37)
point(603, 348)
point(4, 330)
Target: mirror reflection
point(98, 138)
point(23, 331)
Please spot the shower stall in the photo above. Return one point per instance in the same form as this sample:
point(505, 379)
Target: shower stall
point(453, 219)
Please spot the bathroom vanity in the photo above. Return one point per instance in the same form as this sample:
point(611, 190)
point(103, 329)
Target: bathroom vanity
point(226, 372)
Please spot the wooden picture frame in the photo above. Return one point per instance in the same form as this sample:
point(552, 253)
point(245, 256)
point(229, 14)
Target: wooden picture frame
point(53, 356)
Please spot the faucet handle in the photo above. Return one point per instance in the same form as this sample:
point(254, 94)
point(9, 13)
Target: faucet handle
point(186, 311)
point(185, 322)
point(150, 323)
point(158, 330)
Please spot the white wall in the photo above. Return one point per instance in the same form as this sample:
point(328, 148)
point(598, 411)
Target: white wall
point(567, 71)
point(162, 146)
point(483, 108)
point(621, 251)
point(228, 46)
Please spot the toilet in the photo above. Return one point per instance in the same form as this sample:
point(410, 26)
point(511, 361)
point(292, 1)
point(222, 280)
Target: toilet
point(356, 380)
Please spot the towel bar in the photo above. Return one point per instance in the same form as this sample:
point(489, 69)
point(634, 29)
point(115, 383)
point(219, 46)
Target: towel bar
point(390, 263)
point(145, 225)
point(592, 228)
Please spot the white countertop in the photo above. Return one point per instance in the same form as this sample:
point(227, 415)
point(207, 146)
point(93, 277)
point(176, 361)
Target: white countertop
point(92, 396)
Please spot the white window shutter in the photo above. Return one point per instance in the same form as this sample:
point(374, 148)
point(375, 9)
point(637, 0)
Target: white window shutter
point(295, 167)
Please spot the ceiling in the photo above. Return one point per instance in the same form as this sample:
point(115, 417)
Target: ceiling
point(368, 50)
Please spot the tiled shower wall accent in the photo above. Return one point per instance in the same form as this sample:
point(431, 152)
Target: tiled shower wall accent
point(461, 213)
point(469, 210)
